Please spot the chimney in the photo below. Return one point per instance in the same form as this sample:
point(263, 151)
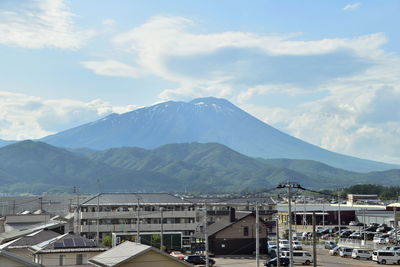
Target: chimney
point(232, 216)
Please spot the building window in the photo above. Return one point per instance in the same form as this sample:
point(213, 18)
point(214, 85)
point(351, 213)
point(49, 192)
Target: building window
point(80, 259)
point(246, 231)
point(62, 260)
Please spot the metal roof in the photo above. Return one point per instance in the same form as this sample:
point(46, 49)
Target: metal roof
point(16, 258)
point(33, 239)
point(238, 201)
point(132, 199)
point(126, 251)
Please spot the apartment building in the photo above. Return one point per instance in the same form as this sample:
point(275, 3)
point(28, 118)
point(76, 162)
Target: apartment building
point(119, 213)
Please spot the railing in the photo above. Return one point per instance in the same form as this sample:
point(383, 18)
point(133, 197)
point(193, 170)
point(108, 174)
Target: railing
point(133, 214)
point(143, 227)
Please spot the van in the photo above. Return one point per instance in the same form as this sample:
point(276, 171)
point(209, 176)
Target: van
point(386, 257)
point(303, 257)
point(344, 252)
point(361, 254)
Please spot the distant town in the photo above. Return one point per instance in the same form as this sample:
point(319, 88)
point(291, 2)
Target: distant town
point(125, 229)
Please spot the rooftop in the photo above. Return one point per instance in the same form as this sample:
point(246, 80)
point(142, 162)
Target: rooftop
point(133, 198)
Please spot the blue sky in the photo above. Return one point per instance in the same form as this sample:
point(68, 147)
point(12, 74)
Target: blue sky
point(324, 71)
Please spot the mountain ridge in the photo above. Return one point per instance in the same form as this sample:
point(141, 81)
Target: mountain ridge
point(202, 120)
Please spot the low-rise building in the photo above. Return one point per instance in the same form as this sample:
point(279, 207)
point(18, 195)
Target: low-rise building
point(132, 254)
point(67, 249)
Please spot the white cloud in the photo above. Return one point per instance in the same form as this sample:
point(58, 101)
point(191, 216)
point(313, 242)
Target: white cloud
point(111, 68)
point(30, 117)
point(41, 23)
point(351, 6)
point(354, 79)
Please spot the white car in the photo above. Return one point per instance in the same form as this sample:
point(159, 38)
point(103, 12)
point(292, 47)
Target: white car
point(302, 257)
point(386, 257)
point(283, 243)
point(361, 254)
point(345, 252)
point(297, 245)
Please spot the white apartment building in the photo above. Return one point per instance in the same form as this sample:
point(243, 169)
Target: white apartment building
point(119, 212)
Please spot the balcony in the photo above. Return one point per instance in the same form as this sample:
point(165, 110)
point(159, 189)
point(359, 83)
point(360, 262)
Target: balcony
point(133, 214)
point(177, 227)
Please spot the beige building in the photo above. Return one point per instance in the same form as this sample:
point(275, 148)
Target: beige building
point(66, 250)
point(132, 254)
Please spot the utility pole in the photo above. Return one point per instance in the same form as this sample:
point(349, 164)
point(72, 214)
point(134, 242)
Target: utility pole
point(206, 234)
point(395, 222)
point(137, 222)
point(314, 236)
point(98, 219)
point(289, 186)
point(278, 263)
point(365, 236)
point(14, 207)
point(257, 237)
point(162, 230)
point(339, 219)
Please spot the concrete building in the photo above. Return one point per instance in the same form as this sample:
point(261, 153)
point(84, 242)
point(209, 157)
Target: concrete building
point(119, 212)
point(130, 254)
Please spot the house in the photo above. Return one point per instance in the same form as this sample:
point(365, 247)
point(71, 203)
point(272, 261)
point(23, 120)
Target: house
point(56, 226)
point(8, 259)
point(235, 235)
point(138, 255)
point(67, 249)
point(20, 246)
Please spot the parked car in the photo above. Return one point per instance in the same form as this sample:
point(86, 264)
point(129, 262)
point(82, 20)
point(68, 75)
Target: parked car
point(271, 246)
point(177, 254)
point(334, 251)
point(345, 252)
point(354, 223)
point(302, 257)
point(274, 261)
point(361, 254)
point(198, 260)
point(330, 244)
point(297, 245)
point(283, 244)
point(386, 257)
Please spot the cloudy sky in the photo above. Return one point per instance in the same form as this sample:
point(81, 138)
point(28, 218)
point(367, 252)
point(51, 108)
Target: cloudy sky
point(327, 72)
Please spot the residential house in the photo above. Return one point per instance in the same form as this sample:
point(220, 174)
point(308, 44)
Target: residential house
point(21, 245)
point(66, 250)
point(132, 254)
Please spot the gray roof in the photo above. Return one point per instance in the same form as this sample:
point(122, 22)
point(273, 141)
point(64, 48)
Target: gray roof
point(33, 239)
point(225, 222)
point(8, 236)
point(125, 252)
point(53, 204)
point(67, 243)
point(132, 199)
point(16, 258)
point(237, 201)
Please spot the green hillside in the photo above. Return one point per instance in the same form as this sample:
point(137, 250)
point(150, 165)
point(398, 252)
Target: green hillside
point(36, 167)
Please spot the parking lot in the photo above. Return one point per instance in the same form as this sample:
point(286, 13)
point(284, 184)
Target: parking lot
point(323, 259)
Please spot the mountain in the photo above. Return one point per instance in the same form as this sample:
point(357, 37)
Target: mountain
point(202, 120)
point(36, 167)
point(5, 142)
point(230, 170)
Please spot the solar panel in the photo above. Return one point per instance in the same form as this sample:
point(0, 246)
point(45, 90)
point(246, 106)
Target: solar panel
point(79, 242)
point(68, 243)
point(58, 245)
point(90, 243)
